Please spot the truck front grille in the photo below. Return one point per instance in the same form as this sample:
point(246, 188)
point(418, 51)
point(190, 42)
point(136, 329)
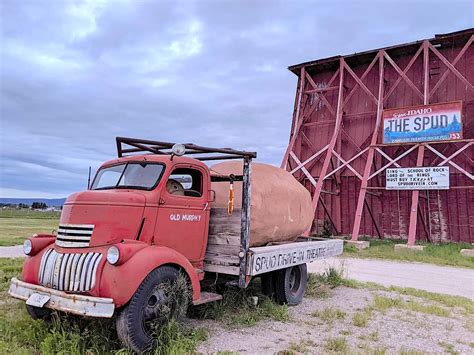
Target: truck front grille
point(69, 272)
point(74, 235)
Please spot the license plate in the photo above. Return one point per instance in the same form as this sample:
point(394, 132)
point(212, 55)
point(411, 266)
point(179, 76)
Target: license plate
point(37, 300)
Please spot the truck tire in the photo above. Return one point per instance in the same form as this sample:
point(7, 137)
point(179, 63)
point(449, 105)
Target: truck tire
point(152, 305)
point(38, 313)
point(290, 284)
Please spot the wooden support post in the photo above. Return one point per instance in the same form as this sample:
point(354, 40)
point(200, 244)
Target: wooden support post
point(370, 156)
point(297, 121)
point(332, 143)
point(414, 201)
point(415, 195)
point(245, 222)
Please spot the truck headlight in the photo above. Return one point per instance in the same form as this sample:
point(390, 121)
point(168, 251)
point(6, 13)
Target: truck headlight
point(113, 255)
point(27, 247)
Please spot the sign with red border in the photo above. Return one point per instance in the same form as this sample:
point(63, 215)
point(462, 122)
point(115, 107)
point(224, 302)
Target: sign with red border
point(424, 123)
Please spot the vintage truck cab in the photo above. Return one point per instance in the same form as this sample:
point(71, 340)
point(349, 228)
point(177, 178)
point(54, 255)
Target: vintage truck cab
point(142, 213)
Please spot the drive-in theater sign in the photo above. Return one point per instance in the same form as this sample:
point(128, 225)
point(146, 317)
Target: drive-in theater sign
point(437, 122)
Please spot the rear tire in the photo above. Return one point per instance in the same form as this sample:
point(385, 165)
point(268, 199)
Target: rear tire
point(290, 284)
point(38, 313)
point(154, 303)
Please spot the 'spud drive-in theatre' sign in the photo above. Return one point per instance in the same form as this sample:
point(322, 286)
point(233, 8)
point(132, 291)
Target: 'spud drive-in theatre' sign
point(426, 123)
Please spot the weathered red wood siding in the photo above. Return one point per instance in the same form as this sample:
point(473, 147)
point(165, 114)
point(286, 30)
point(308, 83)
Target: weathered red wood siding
point(442, 215)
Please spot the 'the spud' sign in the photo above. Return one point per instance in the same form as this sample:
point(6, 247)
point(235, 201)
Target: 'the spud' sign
point(423, 123)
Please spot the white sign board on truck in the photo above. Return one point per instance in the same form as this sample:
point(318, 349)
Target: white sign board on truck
point(421, 178)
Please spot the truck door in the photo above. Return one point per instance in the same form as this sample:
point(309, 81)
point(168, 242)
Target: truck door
point(183, 213)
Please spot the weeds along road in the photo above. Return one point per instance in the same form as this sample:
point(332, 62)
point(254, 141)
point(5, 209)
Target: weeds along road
point(433, 278)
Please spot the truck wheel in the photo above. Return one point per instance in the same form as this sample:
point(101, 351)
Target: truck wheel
point(38, 313)
point(159, 298)
point(290, 284)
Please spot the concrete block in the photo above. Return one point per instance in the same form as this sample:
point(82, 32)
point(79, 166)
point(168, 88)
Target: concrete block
point(359, 244)
point(399, 247)
point(467, 253)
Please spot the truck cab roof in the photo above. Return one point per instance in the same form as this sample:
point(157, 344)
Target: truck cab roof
point(167, 159)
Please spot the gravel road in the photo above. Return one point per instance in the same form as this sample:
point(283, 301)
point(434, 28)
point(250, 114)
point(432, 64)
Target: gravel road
point(394, 330)
point(428, 277)
point(15, 251)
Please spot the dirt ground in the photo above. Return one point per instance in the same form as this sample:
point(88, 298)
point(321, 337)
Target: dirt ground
point(386, 322)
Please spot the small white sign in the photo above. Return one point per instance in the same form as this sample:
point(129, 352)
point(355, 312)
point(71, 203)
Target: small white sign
point(422, 178)
point(37, 300)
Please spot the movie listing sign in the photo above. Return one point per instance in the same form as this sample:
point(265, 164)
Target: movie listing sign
point(422, 178)
point(423, 123)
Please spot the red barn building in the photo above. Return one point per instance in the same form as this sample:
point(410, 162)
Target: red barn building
point(338, 152)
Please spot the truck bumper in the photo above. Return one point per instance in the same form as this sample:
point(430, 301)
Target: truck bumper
point(62, 301)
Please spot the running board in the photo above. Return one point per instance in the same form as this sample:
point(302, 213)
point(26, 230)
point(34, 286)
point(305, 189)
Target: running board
point(207, 297)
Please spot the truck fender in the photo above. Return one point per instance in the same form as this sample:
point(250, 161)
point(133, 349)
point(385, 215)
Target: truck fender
point(31, 267)
point(120, 282)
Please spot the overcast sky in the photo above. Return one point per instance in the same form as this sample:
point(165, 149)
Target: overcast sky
point(76, 74)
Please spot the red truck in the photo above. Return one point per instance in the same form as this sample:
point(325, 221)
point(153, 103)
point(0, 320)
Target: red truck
point(146, 219)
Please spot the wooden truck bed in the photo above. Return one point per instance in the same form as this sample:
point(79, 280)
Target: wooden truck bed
point(224, 246)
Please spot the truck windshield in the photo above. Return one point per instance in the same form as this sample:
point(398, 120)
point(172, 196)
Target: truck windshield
point(129, 175)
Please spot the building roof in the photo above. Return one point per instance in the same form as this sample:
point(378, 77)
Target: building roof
point(394, 51)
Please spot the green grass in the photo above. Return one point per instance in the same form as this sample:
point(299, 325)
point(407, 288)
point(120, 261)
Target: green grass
point(27, 213)
point(329, 314)
point(175, 339)
point(382, 304)
point(446, 300)
point(448, 348)
point(8, 268)
point(301, 347)
point(361, 318)
point(237, 310)
point(338, 344)
point(14, 230)
point(320, 285)
point(19, 334)
point(440, 254)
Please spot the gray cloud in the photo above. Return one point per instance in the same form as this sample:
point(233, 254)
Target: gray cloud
point(76, 74)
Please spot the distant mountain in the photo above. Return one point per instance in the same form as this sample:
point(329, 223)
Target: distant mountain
point(49, 201)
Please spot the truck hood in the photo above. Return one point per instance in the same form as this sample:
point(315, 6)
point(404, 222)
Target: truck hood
point(101, 217)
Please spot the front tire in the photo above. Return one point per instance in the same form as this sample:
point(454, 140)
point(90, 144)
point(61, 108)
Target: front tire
point(159, 298)
point(290, 284)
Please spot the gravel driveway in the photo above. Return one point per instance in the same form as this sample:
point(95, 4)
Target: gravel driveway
point(393, 330)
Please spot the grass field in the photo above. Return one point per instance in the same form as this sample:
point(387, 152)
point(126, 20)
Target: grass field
point(440, 254)
point(17, 225)
point(19, 334)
